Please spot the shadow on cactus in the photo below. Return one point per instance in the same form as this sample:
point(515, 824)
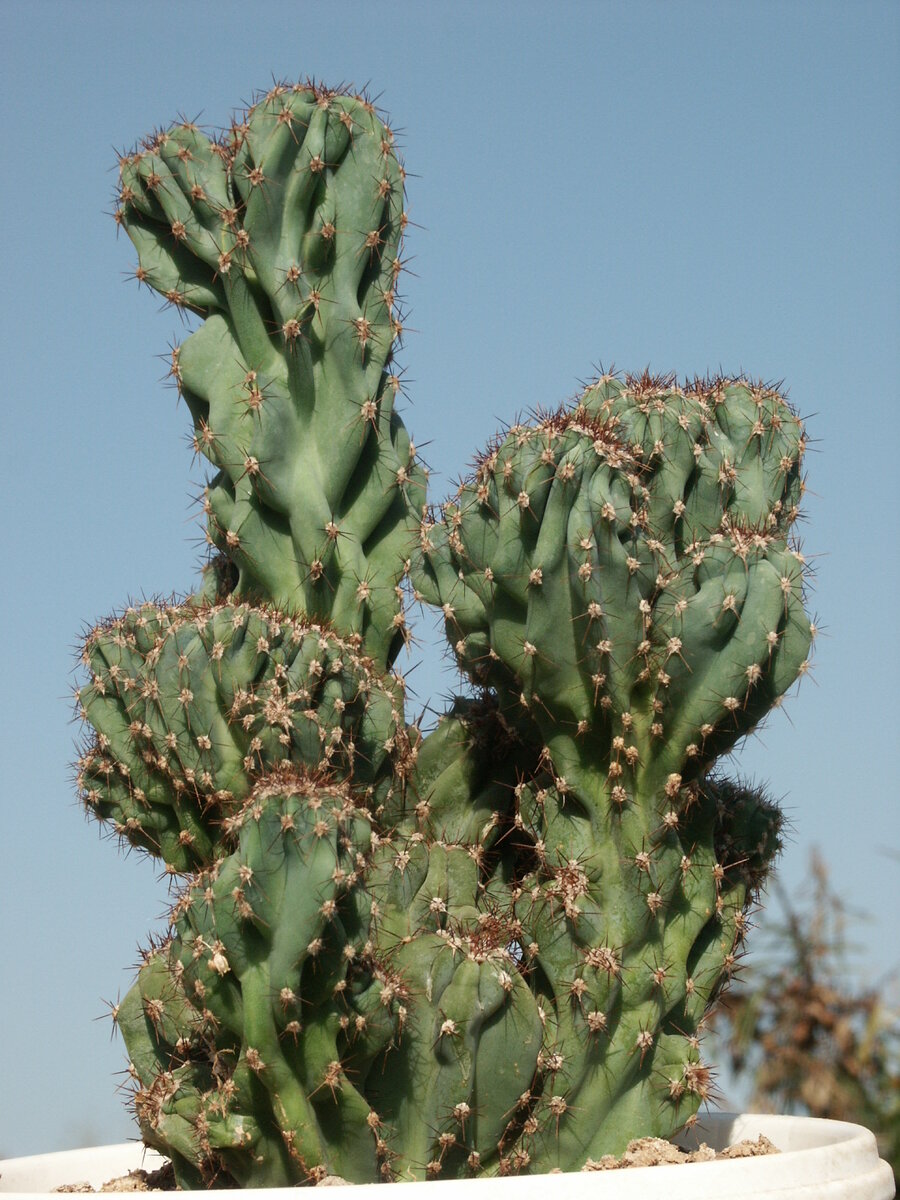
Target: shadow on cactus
point(492, 948)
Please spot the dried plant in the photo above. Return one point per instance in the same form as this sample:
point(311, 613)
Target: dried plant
point(810, 1038)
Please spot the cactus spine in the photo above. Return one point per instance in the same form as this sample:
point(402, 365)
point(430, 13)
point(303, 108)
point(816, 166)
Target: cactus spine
point(487, 950)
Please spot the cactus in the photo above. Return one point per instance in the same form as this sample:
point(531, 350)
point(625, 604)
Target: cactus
point(490, 949)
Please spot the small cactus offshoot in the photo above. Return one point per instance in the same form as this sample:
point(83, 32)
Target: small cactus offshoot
point(487, 950)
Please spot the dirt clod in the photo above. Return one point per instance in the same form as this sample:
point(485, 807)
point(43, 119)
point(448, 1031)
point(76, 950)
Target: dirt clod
point(655, 1152)
point(161, 1180)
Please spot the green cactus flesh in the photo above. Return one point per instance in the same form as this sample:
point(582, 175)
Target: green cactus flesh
point(285, 239)
point(242, 999)
point(621, 572)
point(525, 998)
point(291, 1025)
point(491, 949)
point(191, 705)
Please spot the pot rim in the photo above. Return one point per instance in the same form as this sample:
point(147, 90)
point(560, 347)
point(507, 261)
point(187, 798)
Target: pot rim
point(819, 1159)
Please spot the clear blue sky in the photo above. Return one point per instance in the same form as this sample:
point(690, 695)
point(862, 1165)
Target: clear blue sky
point(689, 186)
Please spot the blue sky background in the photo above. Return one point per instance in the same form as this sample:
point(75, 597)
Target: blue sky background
point(686, 186)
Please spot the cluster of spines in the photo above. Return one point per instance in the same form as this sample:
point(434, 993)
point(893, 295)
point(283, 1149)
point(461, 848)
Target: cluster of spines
point(192, 704)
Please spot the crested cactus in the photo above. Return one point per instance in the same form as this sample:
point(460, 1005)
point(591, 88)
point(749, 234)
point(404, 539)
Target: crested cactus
point(490, 949)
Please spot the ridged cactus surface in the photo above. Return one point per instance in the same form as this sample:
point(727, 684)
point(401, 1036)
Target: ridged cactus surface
point(285, 237)
point(486, 950)
point(241, 1022)
point(622, 571)
point(192, 705)
point(349, 956)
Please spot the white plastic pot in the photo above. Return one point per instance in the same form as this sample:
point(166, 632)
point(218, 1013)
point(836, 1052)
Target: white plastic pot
point(820, 1160)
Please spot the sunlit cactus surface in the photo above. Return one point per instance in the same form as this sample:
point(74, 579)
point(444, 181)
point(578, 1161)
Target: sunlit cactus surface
point(486, 949)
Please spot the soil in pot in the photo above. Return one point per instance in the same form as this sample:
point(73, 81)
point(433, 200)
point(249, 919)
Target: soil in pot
point(643, 1152)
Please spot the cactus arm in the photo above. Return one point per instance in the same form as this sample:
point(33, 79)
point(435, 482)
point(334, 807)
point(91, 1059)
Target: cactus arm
point(193, 705)
point(287, 239)
point(632, 634)
point(467, 1051)
point(257, 949)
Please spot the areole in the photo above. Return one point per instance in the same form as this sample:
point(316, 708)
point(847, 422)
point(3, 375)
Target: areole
point(818, 1160)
